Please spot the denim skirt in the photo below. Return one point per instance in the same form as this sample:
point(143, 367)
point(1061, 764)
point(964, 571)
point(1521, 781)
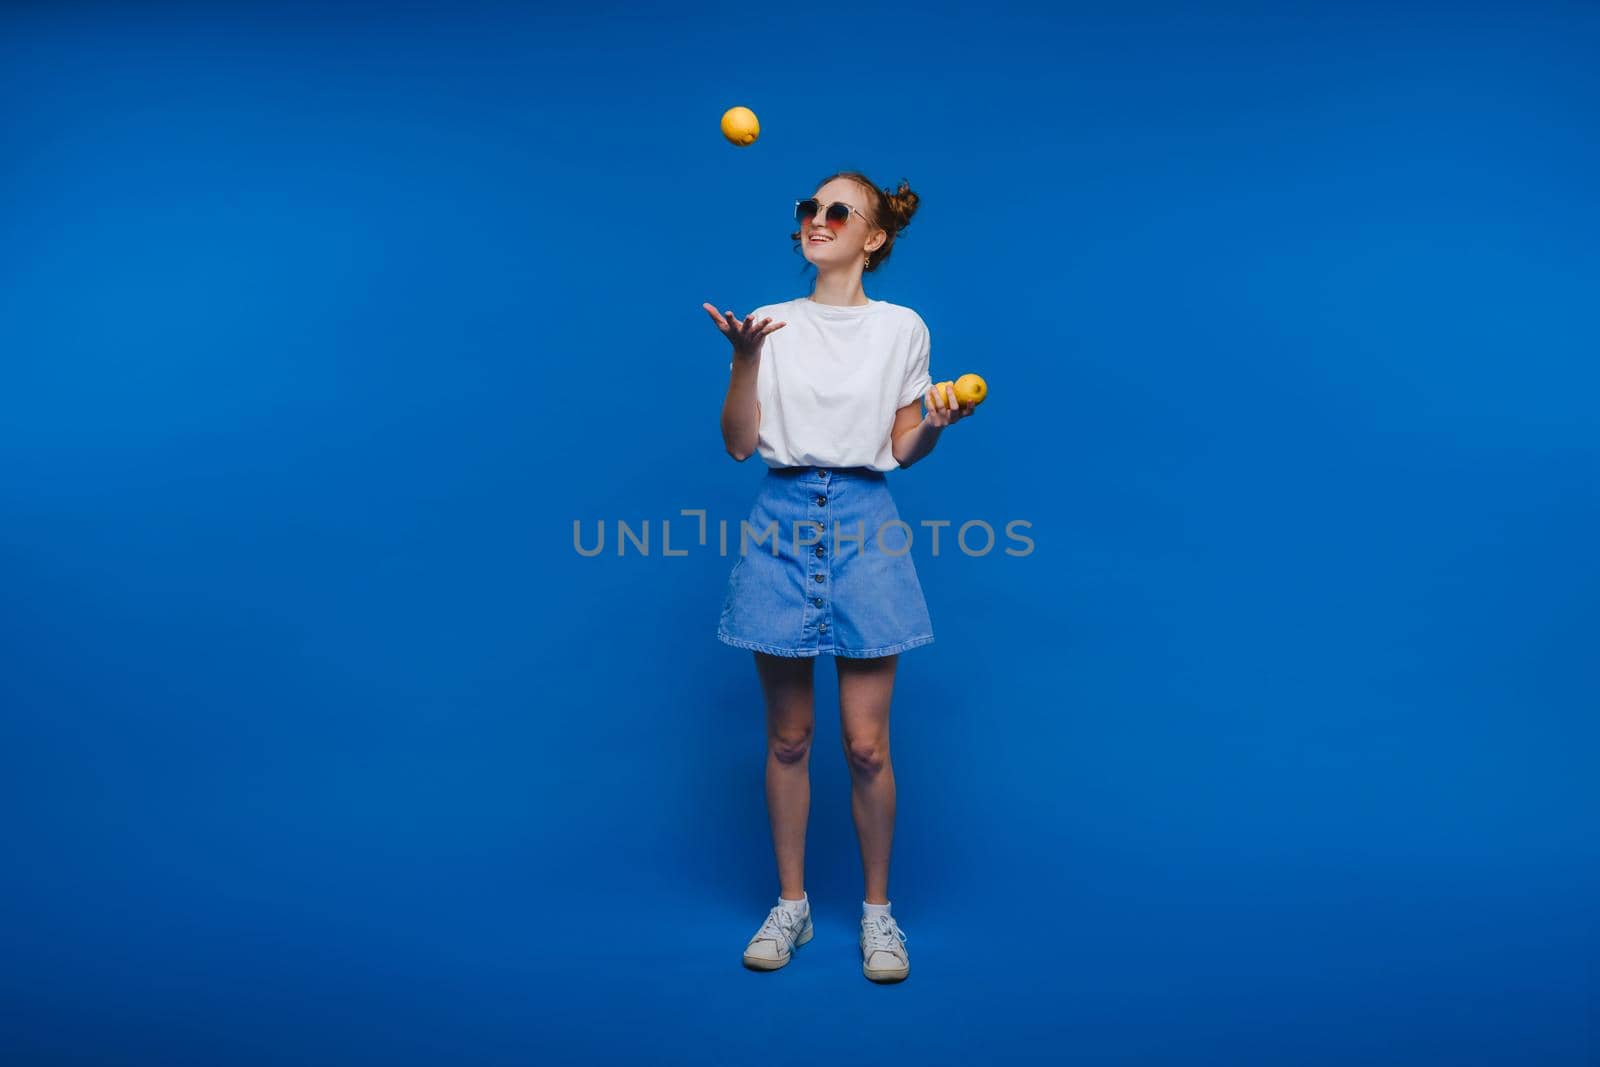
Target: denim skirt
point(824, 565)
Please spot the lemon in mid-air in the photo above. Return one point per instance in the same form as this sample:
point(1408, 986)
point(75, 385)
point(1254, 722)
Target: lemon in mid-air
point(740, 127)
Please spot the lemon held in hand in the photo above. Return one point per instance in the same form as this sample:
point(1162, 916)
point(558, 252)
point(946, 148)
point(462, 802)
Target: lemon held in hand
point(971, 389)
point(740, 127)
point(967, 389)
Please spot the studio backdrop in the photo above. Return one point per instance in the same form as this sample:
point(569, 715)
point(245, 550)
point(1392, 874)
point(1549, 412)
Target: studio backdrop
point(1259, 726)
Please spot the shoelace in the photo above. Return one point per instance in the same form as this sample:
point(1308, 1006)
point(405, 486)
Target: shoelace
point(780, 928)
point(882, 932)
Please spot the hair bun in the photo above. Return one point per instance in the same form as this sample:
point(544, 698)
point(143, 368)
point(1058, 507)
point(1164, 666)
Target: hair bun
point(905, 202)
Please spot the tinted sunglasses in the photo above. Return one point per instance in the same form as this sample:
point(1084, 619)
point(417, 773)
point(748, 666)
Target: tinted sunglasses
point(837, 214)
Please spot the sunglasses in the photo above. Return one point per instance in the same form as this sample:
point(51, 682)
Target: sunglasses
point(837, 214)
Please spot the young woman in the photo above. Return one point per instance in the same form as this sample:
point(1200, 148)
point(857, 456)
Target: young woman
point(830, 403)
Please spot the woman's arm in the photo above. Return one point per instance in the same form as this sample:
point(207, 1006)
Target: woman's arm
point(741, 411)
point(912, 437)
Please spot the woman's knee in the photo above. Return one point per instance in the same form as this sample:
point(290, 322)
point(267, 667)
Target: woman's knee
point(867, 754)
point(790, 744)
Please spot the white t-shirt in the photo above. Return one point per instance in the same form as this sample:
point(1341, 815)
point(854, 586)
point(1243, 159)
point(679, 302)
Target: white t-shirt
point(831, 380)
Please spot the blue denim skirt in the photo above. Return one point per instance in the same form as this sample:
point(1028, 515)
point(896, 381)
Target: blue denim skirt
point(824, 566)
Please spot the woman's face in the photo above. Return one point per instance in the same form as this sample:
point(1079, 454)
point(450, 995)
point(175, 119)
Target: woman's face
point(826, 246)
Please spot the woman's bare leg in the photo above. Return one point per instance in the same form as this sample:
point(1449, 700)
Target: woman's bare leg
point(865, 689)
point(786, 683)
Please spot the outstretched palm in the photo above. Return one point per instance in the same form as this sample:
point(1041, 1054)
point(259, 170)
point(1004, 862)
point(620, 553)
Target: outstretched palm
point(746, 336)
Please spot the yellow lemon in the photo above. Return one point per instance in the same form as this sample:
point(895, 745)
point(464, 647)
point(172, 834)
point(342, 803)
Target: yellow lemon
point(944, 391)
point(739, 126)
point(971, 389)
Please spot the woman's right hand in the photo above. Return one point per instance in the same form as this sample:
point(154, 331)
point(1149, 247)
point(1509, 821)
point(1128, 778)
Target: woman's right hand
point(746, 337)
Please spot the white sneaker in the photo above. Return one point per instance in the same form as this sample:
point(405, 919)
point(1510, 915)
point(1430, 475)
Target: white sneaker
point(883, 949)
point(784, 930)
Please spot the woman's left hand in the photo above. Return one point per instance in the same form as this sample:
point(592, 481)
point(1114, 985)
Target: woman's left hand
point(941, 414)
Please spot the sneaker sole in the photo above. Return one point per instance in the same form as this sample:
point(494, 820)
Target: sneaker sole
point(761, 963)
point(886, 974)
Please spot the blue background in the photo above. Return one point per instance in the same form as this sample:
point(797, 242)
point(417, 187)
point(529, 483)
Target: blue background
point(321, 744)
